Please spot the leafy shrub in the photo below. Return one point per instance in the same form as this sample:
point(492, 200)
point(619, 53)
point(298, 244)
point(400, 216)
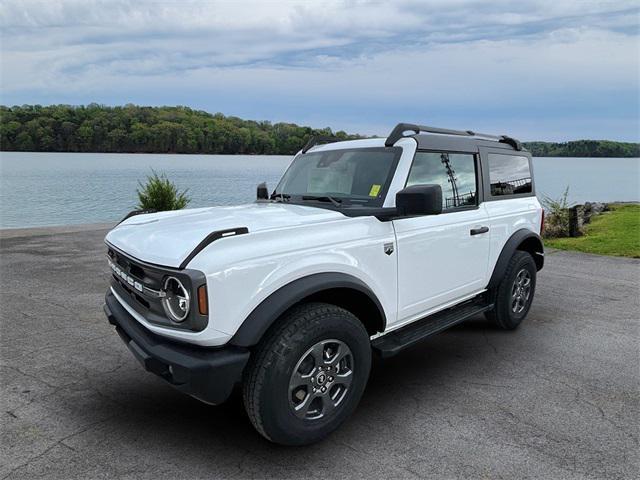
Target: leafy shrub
point(160, 194)
point(556, 218)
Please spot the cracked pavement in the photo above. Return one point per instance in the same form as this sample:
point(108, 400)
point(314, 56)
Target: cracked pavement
point(558, 398)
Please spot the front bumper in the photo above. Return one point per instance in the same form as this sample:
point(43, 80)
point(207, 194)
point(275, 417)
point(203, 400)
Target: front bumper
point(208, 374)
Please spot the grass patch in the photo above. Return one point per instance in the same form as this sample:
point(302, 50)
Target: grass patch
point(616, 232)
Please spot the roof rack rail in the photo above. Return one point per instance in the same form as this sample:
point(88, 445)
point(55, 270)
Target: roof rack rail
point(399, 132)
point(317, 140)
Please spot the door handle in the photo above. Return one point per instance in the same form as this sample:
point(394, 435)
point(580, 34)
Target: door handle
point(479, 230)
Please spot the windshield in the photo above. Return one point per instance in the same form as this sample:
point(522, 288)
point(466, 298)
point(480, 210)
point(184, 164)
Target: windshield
point(354, 176)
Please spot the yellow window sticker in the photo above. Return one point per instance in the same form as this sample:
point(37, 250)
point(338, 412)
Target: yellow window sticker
point(375, 189)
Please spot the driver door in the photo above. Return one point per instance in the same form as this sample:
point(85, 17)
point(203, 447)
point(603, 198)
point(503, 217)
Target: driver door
point(442, 258)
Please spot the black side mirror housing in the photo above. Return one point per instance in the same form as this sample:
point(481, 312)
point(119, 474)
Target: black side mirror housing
point(419, 200)
point(262, 192)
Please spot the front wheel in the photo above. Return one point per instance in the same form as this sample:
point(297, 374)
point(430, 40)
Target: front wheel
point(514, 294)
point(308, 375)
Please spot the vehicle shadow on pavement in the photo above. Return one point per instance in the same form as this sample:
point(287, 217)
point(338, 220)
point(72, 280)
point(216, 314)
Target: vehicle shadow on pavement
point(174, 420)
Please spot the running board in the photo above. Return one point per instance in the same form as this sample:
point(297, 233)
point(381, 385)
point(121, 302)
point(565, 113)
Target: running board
point(393, 342)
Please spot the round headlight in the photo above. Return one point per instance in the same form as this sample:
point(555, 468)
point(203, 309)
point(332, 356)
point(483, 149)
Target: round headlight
point(176, 301)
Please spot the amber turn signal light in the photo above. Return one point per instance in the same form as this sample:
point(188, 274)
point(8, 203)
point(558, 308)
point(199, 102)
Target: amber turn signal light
point(203, 307)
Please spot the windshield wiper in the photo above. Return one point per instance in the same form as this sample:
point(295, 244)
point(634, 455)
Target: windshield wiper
point(283, 197)
point(323, 198)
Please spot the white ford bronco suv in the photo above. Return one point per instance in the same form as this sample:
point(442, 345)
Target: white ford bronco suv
point(364, 247)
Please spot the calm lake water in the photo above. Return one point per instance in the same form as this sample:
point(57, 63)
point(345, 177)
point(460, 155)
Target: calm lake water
point(38, 189)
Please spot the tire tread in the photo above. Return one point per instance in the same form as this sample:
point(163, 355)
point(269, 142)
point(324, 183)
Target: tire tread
point(500, 315)
point(275, 343)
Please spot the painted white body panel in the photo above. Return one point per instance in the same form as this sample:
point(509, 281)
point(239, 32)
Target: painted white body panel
point(436, 263)
point(254, 266)
point(439, 260)
point(167, 238)
point(506, 217)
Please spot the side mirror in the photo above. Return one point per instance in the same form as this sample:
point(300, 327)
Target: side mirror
point(419, 200)
point(262, 192)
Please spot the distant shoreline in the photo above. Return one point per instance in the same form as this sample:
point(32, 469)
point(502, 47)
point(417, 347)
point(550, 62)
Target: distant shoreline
point(181, 130)
point(250, 154)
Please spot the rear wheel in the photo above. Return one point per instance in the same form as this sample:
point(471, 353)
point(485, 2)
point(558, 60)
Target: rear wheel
point(514, 294)
point(308, 375)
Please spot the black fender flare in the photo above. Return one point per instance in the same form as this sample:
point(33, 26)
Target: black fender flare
point(271, 308)
point(519, 238)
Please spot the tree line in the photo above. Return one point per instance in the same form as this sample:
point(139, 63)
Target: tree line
point(136, 129)
point(584, 148)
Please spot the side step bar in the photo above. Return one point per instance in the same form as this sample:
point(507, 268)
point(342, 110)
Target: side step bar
point(392, 343)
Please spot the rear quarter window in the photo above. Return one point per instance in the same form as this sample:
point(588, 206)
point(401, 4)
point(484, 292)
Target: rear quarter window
point(509, 175)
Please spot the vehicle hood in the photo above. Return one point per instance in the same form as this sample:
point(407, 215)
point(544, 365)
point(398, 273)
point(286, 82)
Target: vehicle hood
point(167, 238)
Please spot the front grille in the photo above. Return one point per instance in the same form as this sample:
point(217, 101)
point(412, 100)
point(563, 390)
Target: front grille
point(132, 293)
point(140, 285)
point(147, 276)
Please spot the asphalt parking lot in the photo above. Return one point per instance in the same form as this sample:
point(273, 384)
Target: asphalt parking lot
point(558, 398)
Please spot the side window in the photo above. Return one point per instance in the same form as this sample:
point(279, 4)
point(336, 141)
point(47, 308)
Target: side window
point(509, 174)
point(454, 172)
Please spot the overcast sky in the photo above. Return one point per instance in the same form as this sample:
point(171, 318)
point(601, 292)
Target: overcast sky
point(536, 69)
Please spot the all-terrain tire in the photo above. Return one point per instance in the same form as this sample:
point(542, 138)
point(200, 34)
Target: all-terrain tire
point(514, 294)
point(294, 345)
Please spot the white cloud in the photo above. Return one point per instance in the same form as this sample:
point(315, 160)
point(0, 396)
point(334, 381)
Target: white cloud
point(423, 59)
